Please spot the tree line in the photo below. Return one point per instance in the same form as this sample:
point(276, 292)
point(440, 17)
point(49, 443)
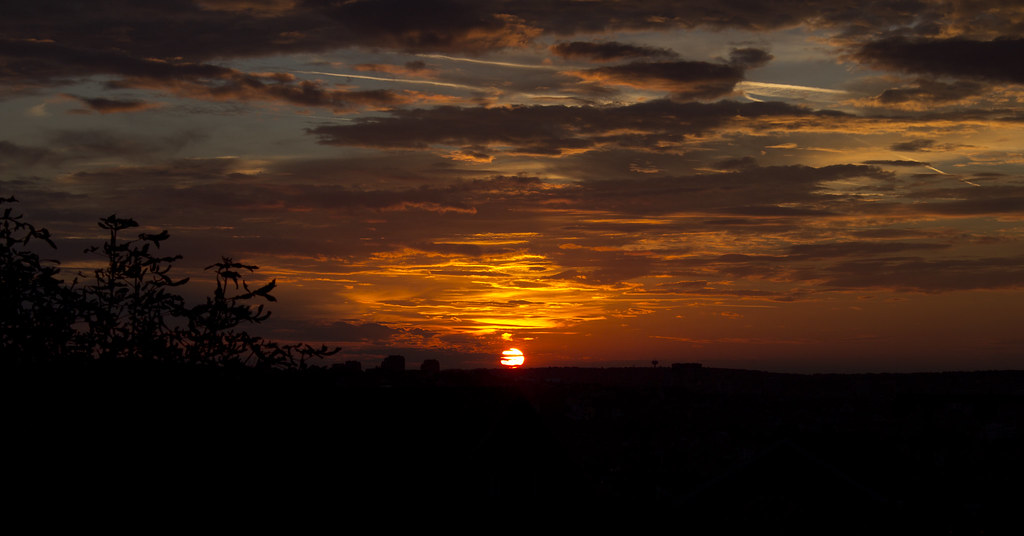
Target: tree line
point(130, 308)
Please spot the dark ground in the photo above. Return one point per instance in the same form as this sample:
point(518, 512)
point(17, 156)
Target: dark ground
point(700, 450)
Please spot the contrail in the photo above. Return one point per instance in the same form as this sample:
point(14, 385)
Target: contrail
point(786, 87)
point(400, 80)
point(961, 179)
point(926, 166)
point(486, 62)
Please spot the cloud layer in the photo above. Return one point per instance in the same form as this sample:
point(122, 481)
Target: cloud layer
point(595, 182)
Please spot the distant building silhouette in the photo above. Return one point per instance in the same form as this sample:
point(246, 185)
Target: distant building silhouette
point(393, 363)
point(348, 366)
point(347, 372)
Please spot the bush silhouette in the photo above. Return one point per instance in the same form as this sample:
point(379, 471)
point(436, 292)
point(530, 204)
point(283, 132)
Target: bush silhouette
point(129, 310)
point(37, 311)
point(129, 305)
point(213, 336)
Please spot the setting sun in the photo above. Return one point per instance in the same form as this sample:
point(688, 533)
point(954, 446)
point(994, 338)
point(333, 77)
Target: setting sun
point(513, 357)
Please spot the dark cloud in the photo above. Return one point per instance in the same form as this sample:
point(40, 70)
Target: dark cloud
point(201, 31)
point(928, 275)
point(932, 91)
point(732, 164)
point(775, 210)
point(990, 205)
point(90, 143)
point(108, 106)
point(601, 268)
point(761, 191)
point(179, 43)
point(857, 249)
point(43, 60)
point(438, 25)
point(548, 129)
point(46, 62)
point(913, 145)
point(410, 68)
point(685, 79)
point(930, 145)
point(897, 163)
point(707, 288)
point(238, 86)
point(608, 51)
point(888, 232)
point(749, 58)
point(997, 60)
point(179, 28)
point(341, 331)
point(12, 154)
point(567, 17)
point(54, 42)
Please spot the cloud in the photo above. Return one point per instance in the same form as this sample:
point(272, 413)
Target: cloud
point(997, 60)
point(857, 249)
point(734, 164)
point(85, 144)
point(749, 58)
point(941, 275)
point(925, 145)
point(53, 63)
point(45, 60)
point(977, 207)
point(548, 130)
point(411, 68)
point(14, 155)
point(608, 51)
point(748, 191)
point(109, 106)
point(897, 163)
point(200, 31)
point(684, 79)
point(258, 7)
point(274, 88)
point(913, 145)
point(931, 91)
point(439, 26)
point(341, 332)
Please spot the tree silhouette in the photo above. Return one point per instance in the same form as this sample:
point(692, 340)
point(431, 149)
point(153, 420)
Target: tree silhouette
point(212, 333)
point(36, 311)
point(129, 309)
point(129, 306)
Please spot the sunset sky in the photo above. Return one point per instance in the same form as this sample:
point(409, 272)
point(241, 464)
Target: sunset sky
point(828, 185)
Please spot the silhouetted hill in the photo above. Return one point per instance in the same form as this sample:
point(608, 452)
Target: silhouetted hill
point(929, 453)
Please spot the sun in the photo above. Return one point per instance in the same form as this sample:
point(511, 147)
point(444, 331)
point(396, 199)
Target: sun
point(513, 357)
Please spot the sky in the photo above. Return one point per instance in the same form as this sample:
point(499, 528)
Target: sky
point(812, 186)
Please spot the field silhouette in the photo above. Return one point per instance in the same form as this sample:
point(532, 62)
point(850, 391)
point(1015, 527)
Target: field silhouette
point(737, 450)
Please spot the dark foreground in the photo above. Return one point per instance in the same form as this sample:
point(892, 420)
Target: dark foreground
point(698, 450)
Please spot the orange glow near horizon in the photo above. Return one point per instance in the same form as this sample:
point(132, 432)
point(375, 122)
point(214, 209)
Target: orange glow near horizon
point(513, 357)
